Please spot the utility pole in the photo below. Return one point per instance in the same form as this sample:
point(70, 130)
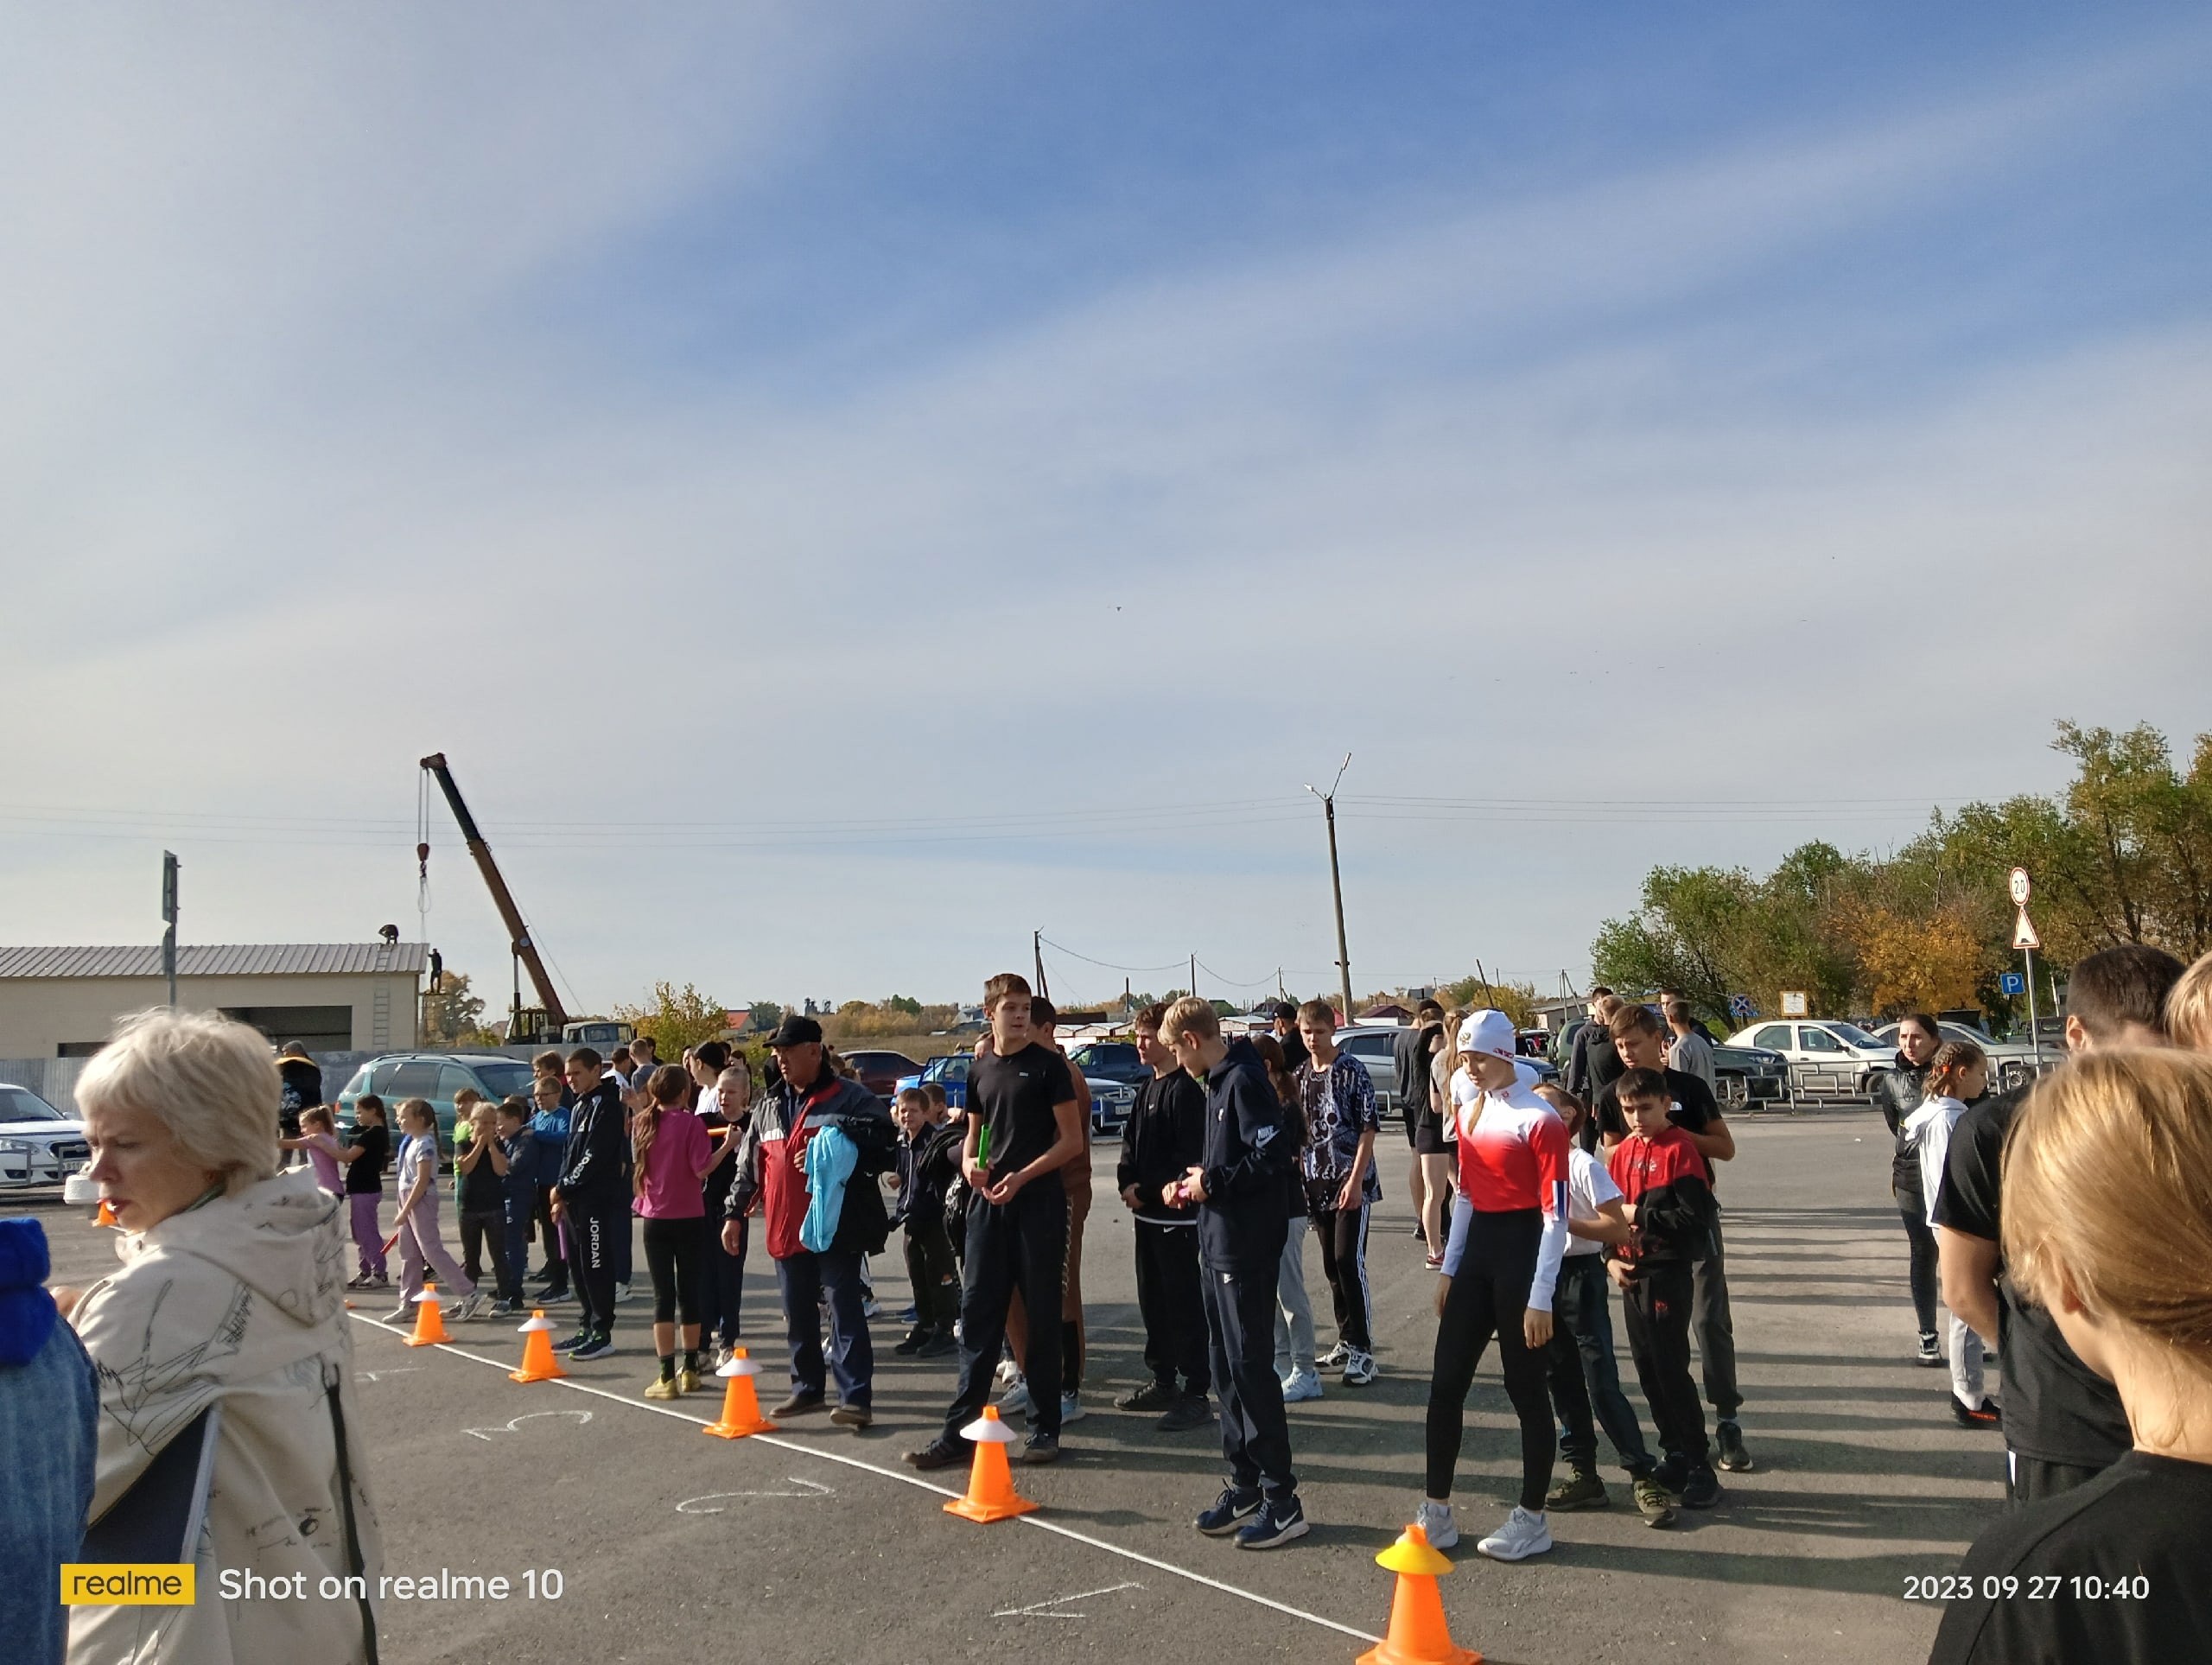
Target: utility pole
point(169, 913)
point(1194, 974)
point(1336, 880)
point(1037, 952)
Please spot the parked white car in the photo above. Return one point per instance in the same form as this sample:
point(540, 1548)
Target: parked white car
point(39, 1146)
point(1826, 1056)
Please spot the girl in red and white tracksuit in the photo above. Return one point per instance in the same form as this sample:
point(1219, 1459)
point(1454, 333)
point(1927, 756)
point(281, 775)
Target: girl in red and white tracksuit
point(1509, 1232)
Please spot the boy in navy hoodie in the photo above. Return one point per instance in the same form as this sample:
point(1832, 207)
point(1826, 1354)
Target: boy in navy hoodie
point(1238, 1185)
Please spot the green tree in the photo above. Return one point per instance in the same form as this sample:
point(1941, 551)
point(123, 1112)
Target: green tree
point(452, 1016)
point(766, 1015)
point(677, 1019)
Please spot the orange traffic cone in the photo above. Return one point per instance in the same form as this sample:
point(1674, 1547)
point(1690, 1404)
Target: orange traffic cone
point(1419, 1635)
point(538, 1363)
point(429, 1322)
point(741, 1405)
point(106, 1216)
point(991, 1496)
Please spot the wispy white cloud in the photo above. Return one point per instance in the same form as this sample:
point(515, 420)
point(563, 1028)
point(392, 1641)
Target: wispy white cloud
point(300, 482)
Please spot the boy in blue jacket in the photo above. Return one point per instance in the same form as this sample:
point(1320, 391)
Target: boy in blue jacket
point(1238, 1187)
point(549, 1132)
point(520, 1145)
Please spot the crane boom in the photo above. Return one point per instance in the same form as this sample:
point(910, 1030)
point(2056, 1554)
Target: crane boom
point(502, 898)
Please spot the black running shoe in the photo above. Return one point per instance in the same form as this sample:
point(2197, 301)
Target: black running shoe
point(1984, 1415)
point(1232, 1506)
point(1275, 1525)
point(1153, 1397)
point(1730, 1441)
point(939, 1453)
point(1191, 1411)
point(1701, 1489)
point(913, 1341)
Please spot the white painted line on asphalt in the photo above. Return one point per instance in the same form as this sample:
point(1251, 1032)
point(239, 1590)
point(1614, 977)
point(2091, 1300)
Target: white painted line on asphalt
point(1035, 1520)
point(515, 1427)
point(814, 1489)
point(1049, 1609)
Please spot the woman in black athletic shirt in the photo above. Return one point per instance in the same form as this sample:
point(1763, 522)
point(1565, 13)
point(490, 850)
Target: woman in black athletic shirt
point(2108, 1225)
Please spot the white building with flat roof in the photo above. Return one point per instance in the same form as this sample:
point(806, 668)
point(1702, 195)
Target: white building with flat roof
point(330, 997)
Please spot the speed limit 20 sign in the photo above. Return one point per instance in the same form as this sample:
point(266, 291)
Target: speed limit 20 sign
point(2019, 886)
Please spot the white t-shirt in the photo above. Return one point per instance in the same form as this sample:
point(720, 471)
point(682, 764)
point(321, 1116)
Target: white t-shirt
point(1589, 1188)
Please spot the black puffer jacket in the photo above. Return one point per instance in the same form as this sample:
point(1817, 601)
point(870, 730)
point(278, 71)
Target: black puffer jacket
point(1897, 1092)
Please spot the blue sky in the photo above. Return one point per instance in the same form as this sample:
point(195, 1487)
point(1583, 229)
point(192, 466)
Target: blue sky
point(845, 493)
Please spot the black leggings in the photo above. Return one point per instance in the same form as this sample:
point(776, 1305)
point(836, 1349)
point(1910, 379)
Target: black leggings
point(1488, 1295)
point(673, 1249)
point(1913, 1206)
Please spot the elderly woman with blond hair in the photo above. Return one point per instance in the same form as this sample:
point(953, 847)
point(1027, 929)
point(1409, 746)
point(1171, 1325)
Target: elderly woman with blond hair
point(230, 1296)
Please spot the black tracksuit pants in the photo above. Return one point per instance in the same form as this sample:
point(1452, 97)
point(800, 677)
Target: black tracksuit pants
point(1021, 1244)
point(1176, 1348)
point(596, 1222)
point(1240, 1308)
point(1488, 1295)
point(1342, 1233)
point(931, 1273)
point(1657, 1309)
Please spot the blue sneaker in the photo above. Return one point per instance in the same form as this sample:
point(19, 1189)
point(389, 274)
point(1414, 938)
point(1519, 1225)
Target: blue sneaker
point(1276, 1524)
point(1232, 1506)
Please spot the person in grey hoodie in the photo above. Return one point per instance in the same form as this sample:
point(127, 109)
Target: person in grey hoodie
point(230, 1296)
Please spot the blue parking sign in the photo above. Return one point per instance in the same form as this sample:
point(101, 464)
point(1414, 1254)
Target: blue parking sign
point(2012, 983)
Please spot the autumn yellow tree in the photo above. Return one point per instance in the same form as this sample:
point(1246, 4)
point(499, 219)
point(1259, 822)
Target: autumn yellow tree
point(677, 1019)
point(1929, 965)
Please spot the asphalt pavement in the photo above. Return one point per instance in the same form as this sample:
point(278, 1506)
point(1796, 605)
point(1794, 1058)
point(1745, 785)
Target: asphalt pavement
point(813, 1543)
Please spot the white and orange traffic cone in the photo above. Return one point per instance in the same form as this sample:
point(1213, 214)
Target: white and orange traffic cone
point(740, 1403)
point(538, 1363)
point(991, 1496)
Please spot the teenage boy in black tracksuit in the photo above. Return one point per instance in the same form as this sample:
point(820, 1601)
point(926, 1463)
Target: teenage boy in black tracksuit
point(1164, 1139)
point(1023, 1123)
point(593, 1197)
point(1239, 1184)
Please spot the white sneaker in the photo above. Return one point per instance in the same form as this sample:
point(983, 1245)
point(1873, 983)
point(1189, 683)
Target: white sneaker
point(1359, 1370)
point(471, 1305)
point(1435, 1520)
point(1301, 1385)
point(1014, 1402)
point(621, 1292)
point(1335, 1356)
point(1071, 1408)
point(1523, 1535)
point(1008, 1373)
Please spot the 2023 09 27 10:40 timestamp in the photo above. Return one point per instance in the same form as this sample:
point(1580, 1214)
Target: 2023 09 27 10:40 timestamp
point(2034, 1586)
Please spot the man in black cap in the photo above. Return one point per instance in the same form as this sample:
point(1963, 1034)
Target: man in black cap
point(809, 1100)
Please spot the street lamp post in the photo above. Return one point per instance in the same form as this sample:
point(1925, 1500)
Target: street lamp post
point(1335, 880)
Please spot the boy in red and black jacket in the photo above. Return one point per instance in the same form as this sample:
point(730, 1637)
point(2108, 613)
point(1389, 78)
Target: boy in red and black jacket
point(1669, 1206)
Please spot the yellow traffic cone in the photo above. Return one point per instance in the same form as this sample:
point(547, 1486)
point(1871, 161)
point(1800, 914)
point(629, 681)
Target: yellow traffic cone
point(429, 1322)
point(991, 1496)
point(538, 1363)
point(740, 1404)
point(1418, 1634)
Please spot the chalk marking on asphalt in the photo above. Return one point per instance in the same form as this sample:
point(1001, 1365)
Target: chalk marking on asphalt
point(378, 1376)
point(1047, 1609)
point(916, 1481)
point(515, 1427)
point(816, 1488)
